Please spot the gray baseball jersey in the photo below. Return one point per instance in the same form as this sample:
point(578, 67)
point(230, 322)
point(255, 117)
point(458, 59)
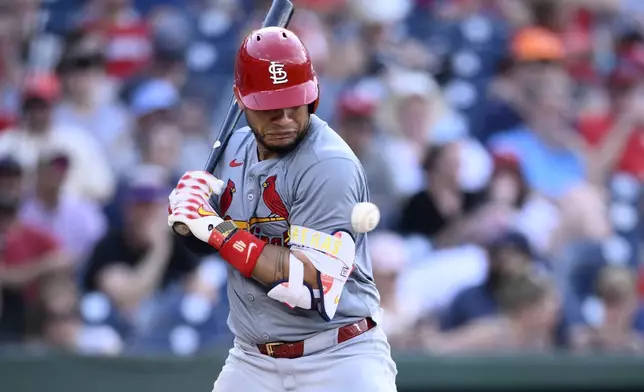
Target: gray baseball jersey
point(314, 186)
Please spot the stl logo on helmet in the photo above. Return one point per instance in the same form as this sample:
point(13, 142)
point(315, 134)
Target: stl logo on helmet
point(278, 74)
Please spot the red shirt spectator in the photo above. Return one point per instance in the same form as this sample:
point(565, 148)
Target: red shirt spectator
point(594, 129)
point(24, 246)
point(126, 40)
point(6, 121)
point(24, 258)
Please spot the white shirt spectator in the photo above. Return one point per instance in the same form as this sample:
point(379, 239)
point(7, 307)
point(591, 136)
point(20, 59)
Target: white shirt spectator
point(110, 124)
point(90, 174)
point(77, 223)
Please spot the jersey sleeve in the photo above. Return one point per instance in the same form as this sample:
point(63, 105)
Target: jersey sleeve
point(325, 195)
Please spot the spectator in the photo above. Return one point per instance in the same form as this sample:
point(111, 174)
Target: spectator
point(532, 50)
point(27, 255)
point(526, 322)
point(417, 114)
point(534, 215)
point(388, 257)
point(553, 159)
point(11, 177)
point(77, 223)
point(547, 144)
point(509, 256)
point(152, 103)
point(133, 263)
point(621, 324)
point(616, 135)
point(197, 134)
point(57, 323)
point(90, 175)
point(87, 101)
point(450, 212)
point(357, 127)
point(161, 146)
point(123, 34)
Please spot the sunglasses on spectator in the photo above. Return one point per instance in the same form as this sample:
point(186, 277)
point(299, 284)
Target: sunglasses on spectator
point(84, 63)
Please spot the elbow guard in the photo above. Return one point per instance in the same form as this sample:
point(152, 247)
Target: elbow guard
point(333, 256)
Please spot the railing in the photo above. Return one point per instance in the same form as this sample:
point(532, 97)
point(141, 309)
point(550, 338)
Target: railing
point(38, 373)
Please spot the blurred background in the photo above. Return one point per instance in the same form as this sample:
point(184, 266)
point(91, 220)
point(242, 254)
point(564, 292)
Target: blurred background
point(503, 141)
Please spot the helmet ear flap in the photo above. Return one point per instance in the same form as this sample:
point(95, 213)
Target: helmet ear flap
point(313, 106)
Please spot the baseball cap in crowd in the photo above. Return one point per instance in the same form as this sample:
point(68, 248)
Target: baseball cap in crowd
point(146, 184)
point(152, 96)
point(511, 239)
point(533, 44)
point(354, 103)
point(505, 160)
point(45, 87)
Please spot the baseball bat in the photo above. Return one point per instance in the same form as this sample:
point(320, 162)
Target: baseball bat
point(279, 15)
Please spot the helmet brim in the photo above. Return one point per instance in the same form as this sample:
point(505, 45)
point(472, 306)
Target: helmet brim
point(302, 94)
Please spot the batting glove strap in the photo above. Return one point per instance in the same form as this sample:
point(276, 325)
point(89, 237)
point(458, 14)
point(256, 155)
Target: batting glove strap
point(242, 250)
point(221, 233)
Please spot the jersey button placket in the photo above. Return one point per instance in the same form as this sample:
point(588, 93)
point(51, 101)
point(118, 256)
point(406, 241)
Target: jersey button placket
point(251, 192)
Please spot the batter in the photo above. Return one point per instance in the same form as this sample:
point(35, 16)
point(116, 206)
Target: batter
point(304, 308)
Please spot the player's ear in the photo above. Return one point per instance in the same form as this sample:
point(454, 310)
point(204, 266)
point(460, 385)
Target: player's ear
point(237, 98)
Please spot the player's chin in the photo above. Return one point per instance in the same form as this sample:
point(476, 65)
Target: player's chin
point(281, 142)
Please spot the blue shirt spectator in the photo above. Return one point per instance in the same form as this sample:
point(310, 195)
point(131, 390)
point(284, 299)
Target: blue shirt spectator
point(549, 170)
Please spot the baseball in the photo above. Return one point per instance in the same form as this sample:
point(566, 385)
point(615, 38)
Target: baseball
point(365, 217)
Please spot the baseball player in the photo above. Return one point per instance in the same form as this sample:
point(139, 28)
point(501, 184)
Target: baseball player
point(304, 306)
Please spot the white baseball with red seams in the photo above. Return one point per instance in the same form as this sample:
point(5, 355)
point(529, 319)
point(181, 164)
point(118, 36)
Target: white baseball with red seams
point(365, 217)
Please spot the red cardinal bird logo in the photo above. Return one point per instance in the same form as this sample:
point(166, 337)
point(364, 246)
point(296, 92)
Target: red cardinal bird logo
point(272, 199)
point(226, 197)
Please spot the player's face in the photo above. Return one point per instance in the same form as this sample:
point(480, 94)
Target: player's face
point(279, 130)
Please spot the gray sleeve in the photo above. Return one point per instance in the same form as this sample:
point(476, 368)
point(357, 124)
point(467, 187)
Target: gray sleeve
point(325, 194)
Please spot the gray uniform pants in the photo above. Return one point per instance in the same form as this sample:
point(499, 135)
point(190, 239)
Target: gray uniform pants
point(360, 364)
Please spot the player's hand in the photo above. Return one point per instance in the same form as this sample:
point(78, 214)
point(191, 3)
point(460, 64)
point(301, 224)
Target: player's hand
point(189, 203)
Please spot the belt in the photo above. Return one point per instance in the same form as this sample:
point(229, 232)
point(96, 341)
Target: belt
point(292, 350)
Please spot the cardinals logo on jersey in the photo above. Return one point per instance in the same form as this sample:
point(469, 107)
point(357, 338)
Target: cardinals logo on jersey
point(272, 199)
point(271, 222)
point(226, 198)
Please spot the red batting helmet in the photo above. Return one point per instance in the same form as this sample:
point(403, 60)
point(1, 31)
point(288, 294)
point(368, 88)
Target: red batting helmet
point(274, 71)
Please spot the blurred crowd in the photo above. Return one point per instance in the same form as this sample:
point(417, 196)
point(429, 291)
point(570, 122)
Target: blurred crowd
point(503, 141)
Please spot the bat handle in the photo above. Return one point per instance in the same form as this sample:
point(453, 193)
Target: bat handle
point(181, 229)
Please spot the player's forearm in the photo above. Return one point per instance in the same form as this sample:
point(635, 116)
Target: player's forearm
point(273, 266)
point(256, 259)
